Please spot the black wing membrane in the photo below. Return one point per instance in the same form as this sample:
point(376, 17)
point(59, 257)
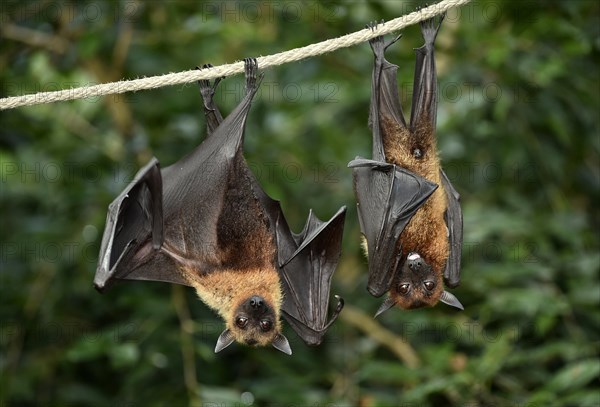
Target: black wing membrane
point(454, 222)
point(169, 217)
point(387, 198)
point(307, 262)
point(385, 99)
point(134, 221)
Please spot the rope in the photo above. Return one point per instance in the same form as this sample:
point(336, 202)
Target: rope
point(280, 58)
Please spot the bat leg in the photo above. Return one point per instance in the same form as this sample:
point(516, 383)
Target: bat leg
point(424, 99)
point(429, 28)
point(206, 89)
point(211, 111)
point(385, 99)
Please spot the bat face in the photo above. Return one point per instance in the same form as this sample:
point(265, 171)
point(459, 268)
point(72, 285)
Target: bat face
point(417, 285)
point(254, 322)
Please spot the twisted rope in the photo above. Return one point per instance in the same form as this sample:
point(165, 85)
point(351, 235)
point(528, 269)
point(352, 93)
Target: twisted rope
point(280, 58)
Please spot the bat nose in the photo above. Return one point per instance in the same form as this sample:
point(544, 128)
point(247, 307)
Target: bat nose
point(256, 302)
point(414, 261)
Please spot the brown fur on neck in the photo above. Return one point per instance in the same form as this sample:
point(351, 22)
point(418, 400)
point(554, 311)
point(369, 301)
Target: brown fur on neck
point(426, 232)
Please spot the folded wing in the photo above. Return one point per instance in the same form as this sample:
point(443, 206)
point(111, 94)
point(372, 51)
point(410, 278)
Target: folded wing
point(307, 262)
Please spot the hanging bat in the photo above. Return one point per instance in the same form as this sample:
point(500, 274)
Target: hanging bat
point(409, 212)
point(205, 222)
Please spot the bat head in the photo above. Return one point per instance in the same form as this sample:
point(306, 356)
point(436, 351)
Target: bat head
point(254, 322)
point(417, 284)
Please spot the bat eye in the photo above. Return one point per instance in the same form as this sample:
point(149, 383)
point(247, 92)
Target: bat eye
point(265, 325)
point(429, 285)
point(241, 322)
point(403, 288)
point(417, 153)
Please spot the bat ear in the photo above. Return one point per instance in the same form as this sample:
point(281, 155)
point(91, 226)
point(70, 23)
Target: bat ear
point(451, 300)
point(387, 304)
point(281, 343)
point(225, 339)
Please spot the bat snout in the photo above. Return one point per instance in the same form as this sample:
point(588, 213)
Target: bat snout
point(256, 302)
point(415, 261)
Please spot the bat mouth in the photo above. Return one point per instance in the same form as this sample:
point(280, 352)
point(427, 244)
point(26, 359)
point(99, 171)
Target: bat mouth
point(416, 304)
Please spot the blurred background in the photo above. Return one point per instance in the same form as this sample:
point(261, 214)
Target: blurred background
point(518, 130)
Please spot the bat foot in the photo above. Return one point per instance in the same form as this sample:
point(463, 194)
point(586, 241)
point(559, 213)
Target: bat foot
point(206, 89)
point(252, 77)
point(430, 28)
point(378, 44)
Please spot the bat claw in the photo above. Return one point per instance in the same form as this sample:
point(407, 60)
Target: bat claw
point(373, 24)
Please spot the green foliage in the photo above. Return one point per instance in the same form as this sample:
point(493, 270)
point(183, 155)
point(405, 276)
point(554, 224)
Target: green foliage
point(518, 134)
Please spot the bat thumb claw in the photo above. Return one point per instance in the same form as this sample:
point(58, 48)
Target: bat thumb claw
point(340, 304)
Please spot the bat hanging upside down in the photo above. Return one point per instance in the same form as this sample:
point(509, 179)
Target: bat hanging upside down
point(205, 222)
point(409, 212)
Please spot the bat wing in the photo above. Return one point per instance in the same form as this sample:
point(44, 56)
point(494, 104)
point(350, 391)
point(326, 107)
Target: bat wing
point(134, 231)
point(307, 262)
point(387, 198)
point(454, 222)
point(167, 219)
